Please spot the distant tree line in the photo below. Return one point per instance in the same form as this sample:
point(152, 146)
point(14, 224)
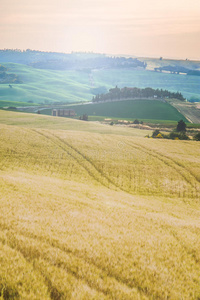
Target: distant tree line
point(63, 61)
point(131, 93)
point(87, 63)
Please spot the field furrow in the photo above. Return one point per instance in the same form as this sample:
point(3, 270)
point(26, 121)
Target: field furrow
point(86, 272)
point(81, 159)
point(177, 167)
point(188, 177)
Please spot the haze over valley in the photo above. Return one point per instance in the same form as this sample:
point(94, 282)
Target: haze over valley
point(99, 150)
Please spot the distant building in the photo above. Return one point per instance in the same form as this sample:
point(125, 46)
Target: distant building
point(63, 113)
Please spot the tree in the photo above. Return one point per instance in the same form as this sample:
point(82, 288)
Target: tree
point(181, 126)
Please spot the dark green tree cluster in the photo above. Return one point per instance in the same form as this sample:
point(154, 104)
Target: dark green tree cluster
point(131, 93)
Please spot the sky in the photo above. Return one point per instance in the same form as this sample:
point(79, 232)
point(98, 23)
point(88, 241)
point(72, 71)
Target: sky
point(151, 28)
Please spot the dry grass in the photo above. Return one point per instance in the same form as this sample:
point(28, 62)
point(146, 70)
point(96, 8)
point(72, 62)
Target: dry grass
point(92, 215)
point(189, 110)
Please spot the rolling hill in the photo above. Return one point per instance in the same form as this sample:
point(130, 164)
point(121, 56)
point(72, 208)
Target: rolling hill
point(90, 211)
point(43, 86)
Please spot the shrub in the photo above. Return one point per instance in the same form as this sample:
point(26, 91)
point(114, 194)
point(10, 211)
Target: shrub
point(84, 117)
point(174, 135)
point(197, 137)
point(178, 135)
point(155, 133)
point(159, 136)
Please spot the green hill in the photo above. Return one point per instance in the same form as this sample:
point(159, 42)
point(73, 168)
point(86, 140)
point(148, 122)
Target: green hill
point(47, 86)
point(129, 109)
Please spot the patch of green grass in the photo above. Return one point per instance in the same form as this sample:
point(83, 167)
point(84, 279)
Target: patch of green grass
point(148, 121)
point(132, 109)
point(15, 104)
point(168, 123)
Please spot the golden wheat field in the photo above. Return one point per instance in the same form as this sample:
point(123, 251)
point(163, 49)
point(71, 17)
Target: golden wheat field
point(91, 211)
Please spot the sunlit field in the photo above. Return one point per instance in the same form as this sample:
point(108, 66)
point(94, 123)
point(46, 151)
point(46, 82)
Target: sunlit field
point(91, 211)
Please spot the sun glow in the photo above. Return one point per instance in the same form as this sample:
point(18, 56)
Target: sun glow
point(169, 28)
point(85, 37)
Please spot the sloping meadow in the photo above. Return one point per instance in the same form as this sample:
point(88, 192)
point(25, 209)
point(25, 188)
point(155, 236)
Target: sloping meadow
point(96, 212)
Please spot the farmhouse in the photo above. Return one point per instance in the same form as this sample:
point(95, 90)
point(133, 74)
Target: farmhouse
point(63, 113)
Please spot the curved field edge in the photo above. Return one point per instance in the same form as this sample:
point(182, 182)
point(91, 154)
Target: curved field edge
point(129, 109)
point(80, 235)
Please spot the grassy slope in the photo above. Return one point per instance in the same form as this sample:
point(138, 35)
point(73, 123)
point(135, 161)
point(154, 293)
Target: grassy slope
point(15, 104)
point(96, 212)
point(141, 109)
point(43, 86)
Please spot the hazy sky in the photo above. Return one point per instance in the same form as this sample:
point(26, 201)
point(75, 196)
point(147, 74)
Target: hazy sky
point(168, 28)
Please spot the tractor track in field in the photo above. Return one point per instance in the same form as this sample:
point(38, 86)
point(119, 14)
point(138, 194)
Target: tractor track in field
point(103, 179)
point(179, 168)
point(82, 160)
point(64, 258)
point(33, 252)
